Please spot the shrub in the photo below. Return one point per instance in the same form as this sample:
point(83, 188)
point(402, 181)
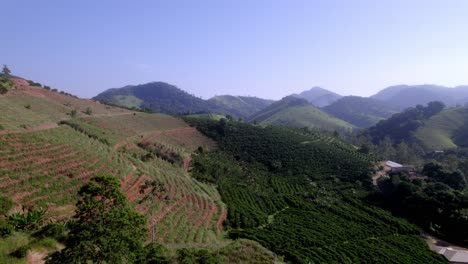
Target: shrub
point(5, 228)
point(88, 111)
point(27, 220)
point(5, 84)
point(57, 231)
point(28, 106)
point(21, 252)
point(5, 205)
point(73, 113)
point(156, 254)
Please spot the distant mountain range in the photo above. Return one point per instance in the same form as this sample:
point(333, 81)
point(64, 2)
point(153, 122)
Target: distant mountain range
point(404, 96)
point(317, 107)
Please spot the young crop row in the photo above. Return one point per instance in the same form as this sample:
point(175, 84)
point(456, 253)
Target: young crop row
point(187, 212)
point(48, 168)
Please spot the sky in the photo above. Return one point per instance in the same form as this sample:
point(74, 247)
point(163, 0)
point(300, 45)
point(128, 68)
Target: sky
point(264, 48)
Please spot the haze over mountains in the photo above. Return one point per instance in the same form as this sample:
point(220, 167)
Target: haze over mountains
point(320, 109)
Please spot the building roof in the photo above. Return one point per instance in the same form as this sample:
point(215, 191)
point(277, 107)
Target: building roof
point(392, 164)
point(454, 255)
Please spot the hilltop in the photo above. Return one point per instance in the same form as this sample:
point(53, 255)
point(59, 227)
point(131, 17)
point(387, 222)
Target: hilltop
point(318, 96)
point(296, 112)
point(161, 97)
point(433, 127)
point(404, 96)
point(361, 112)
point(239, 106)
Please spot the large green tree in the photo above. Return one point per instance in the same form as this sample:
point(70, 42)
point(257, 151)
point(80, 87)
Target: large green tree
point(105, 228)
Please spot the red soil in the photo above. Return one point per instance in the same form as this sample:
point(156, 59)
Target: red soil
point(221, 219)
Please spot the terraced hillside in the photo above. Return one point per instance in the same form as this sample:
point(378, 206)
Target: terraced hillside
point(46, 161)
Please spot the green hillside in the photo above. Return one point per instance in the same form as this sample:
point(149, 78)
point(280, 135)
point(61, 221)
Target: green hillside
point(239, 106)
point(295, 112)
point(360, 111)
point(208, 116)
point(448, 129)
point(47, 154)
point(300, 194)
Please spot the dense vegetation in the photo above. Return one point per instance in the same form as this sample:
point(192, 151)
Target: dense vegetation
point(299, 194)
point(438, 204)
point(160, 97)
point(400, 127)
point(5, 84)
point(360, 111)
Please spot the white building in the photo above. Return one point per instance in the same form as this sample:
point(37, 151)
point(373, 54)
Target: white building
point(453, 255)
point(395, 167)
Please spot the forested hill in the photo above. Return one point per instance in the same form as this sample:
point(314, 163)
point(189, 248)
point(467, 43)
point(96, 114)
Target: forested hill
point(362, 112)
point(160, 97)
point(300, 193)
point(401, 127)
point(296, 112)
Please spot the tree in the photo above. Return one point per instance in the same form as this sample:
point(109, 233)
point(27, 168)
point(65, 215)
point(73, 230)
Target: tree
point(104, 229)
point(6, 70)
point(152, 190)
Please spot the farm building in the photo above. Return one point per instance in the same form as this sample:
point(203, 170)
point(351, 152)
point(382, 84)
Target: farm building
point(396, 167)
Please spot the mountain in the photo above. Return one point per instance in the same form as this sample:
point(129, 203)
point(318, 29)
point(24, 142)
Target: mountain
point(239, 106)
point(404, 96)
point(297, 112)
point(160, 97)
point(362, 112)
point(318, 96)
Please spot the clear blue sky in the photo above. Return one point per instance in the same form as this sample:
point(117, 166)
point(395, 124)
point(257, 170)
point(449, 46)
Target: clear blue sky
point(268, 48)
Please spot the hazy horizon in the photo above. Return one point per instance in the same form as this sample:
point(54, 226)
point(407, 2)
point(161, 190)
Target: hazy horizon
point(267, 49)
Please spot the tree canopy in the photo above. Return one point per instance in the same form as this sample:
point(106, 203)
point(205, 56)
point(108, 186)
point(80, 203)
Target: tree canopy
point(105, 229)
